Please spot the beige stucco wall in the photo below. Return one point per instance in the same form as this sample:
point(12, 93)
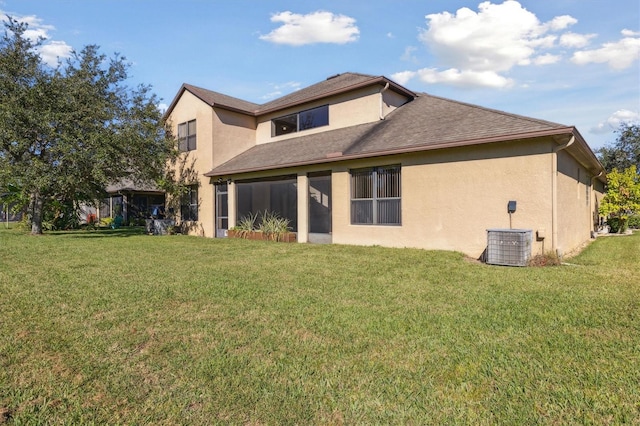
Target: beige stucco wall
point(391, 100)
point(193, 164)
point(575, 209)
point(220, 135)
point(451, 197)
point(233, 133)
point(345, 110)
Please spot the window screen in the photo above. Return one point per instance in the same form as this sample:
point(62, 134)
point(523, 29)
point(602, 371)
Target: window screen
point(375, 196)
point(187, 136)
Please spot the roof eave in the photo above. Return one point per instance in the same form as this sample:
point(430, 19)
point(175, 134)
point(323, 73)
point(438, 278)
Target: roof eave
point(174, 102)
point(184, 88)
point(371, 82)
point(589, 159)
point(338, 157)
point(381, 80)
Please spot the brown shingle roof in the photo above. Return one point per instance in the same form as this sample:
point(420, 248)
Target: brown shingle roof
point(336, 84)
point(333, 85)
point(128, 185)
point(428, 122)
point(220, 100)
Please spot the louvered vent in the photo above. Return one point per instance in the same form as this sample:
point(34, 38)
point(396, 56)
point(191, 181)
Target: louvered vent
point(509, 247)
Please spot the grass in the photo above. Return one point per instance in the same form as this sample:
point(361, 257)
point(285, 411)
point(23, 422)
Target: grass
point(122, 328)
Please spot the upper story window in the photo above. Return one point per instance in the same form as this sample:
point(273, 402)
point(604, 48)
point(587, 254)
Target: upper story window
point(187, 136)
point(308, 119)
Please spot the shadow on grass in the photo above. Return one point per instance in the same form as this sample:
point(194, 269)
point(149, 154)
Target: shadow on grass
point(101, 233)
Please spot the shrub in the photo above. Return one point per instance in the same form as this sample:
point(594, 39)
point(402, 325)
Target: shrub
point(615, 224)
point(273, 226)
point(549, 258)
point(270, 224)
point(246, 224)
point(634, 221)
point(106, 222)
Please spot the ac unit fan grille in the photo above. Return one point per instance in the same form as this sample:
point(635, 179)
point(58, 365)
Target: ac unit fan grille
point(509, 247)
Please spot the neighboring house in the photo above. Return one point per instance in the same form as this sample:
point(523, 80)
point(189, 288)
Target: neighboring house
point(132, 202)
point(7, 213)
point(359, 159)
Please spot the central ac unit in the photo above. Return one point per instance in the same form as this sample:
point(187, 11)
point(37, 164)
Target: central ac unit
point(509, 247)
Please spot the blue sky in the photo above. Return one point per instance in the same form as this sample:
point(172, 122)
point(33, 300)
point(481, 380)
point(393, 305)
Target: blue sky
point(575, 62)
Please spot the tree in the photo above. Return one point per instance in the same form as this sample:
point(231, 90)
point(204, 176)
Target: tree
point(67, 132)
point(625, 152)
point(623, 195)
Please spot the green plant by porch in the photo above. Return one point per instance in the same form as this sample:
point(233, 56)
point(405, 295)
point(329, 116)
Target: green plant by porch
point(269, 224)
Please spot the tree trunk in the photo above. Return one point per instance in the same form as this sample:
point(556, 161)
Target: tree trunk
point(36, 207)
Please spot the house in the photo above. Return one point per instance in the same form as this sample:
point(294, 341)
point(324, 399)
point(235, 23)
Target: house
point(360, 159)
point(130, 201)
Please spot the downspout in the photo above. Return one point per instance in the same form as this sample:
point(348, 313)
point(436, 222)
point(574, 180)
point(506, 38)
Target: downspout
point(554, 193)
point(386, 86)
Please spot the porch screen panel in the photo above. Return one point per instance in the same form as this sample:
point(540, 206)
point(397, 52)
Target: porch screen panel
point(284, 201)
point(105, 208)
point(244, 197)
point(278, 196)
point(320, 203)
point(139, 206)
point(116, 206)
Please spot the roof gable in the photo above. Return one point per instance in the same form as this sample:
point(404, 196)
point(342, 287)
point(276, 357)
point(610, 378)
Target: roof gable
point(336, 84)
point(340, 83)
point(213, 99)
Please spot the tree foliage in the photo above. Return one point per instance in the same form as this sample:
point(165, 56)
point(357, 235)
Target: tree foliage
point(625, 152)
point(69, 131)
point(623, 195)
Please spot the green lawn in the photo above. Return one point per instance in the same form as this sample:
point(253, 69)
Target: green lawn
point(122, 328)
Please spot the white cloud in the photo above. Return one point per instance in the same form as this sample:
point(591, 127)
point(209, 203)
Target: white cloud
point(403, 77)
point(456, 77)
point(36, 29)
point(409, 54)
point(476, 48)
point(615, 120)
point(618, 55)
point(546, 59)
point(282, 89)
point(50, 50)
point(575, 40)
point(630, 33)
point(496, 38)
point(316, 27)
point(54, 51)
point(559, 23)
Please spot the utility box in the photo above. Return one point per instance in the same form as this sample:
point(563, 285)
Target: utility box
point(509, 247)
